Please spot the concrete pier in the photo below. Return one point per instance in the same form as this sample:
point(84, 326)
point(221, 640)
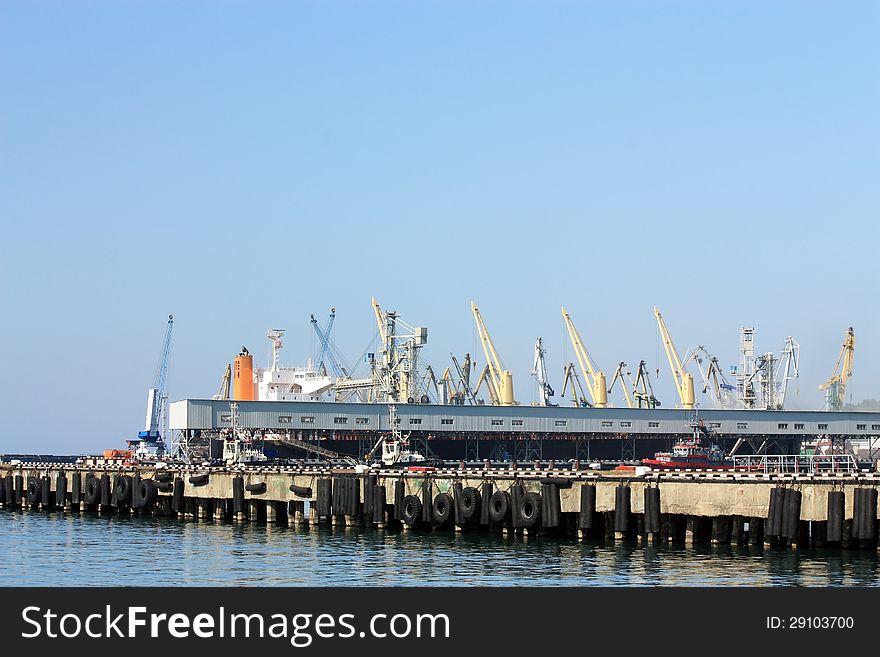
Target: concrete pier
point(787, 511)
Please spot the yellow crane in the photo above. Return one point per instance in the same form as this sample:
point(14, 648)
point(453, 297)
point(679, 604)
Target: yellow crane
point(499, 379)
point(223, 393)
point(570, 378)
point(595, 378)
point(684, 381)
point(835, 386)
point(621, 371)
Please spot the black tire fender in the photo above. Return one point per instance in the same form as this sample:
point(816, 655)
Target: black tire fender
point(146, 493)
point(34, 490)
point(499, 506)
point(442, 508)
point(411, 513)
point(93, 490)
point(530, 509)
point(470, 501)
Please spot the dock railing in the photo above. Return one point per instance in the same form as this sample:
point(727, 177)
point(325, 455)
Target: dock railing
point(796, 463)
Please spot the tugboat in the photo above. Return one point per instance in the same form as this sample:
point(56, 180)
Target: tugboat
point(692, 453)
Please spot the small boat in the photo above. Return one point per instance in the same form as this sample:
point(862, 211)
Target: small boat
point(690, 453)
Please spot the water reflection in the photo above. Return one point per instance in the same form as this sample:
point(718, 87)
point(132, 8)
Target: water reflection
point(53, 549)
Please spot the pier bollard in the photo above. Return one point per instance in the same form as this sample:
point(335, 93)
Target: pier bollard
point(238, 506)
point(253, 510)
point(835, 515)
point(652, 510)
point(622, 510)
point(791, 515)
point(61, 491)
point(587, 509)
point(756, 531)
point(45, 493)
point(721, 526)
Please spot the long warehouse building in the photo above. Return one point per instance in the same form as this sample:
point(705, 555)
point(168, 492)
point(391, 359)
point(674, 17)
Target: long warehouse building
point(511, 432)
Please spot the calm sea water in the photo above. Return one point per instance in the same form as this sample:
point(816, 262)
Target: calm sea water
point(56, 549)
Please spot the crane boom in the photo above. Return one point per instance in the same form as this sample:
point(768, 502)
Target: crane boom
point(595, 378)
point(157, 396)
point(327, 348)
point(500, 378)
point(539, 371)
point(619, 374)
point(684, 381)
point(835, 386)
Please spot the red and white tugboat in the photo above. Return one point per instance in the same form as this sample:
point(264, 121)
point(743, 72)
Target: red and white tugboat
point(692, 453)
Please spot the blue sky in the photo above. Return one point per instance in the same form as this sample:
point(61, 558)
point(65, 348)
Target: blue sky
point(242, 165)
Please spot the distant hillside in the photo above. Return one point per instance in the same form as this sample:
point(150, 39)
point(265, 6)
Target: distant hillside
point(864, 405)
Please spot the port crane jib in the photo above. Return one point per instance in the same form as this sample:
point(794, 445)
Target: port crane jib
point(539, 371)
point(500, 379)
point(596, 382)
point(835, 386)
point(684, 381)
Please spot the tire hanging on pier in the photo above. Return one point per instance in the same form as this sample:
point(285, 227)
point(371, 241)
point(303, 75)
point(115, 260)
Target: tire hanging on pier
point(652, 510)
point(163, 476)
point(412, 510)
point(198, 480)
point(499, 506)
point(530, 509)
point(123, 490)
point(559, 482)
point(256, 489)
point(146, 494)
point(33, 490)
point(301, 491)
point(177, 501)
point(238, 495)
point(486, 495)
point(93, 491)
point(835, 515)
point(622, 499)
point(427, 501)
point(469, 500)
point(442, 509)
point(588, 506)
point(60, 490)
